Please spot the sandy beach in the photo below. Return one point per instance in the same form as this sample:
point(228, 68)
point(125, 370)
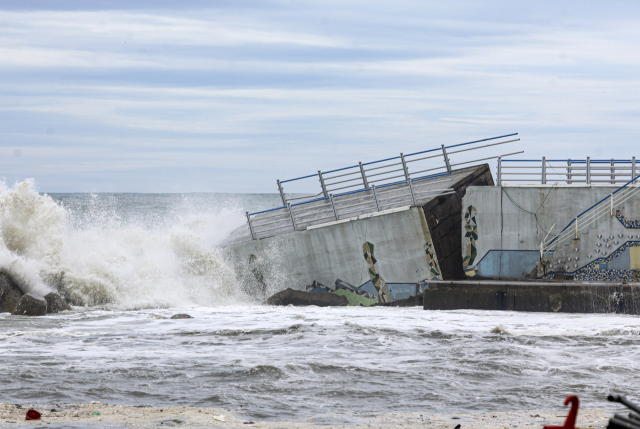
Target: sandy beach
point(103, 415)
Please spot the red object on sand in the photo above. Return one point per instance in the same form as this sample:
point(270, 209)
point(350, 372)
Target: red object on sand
point(570, 423)
point(33, 415)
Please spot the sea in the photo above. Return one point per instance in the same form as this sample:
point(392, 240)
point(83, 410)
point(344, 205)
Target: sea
point(128, 262)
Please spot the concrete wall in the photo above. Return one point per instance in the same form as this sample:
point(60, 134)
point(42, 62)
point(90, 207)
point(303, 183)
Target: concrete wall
point(400, 238)
point(568, 297)
point(510, 222)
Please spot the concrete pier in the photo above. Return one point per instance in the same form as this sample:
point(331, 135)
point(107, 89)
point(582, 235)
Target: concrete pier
point(539, 296)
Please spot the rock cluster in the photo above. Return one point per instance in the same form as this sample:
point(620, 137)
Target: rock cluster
point(14, 301)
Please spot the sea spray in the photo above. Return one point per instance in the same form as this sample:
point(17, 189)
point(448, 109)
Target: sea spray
point(95, 258)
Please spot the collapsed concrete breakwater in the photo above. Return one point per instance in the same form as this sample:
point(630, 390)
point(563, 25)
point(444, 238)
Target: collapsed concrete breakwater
point(534, 296)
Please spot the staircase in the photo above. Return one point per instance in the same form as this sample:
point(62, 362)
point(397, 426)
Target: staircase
point(589, 247)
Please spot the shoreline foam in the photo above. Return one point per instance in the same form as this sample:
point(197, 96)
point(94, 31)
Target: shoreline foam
point(83, 415)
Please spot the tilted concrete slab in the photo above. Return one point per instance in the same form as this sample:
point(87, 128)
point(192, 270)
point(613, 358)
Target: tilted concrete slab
point(336, 251)
point(404, 253)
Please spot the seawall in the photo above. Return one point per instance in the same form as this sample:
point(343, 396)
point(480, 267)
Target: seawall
point(535, 296)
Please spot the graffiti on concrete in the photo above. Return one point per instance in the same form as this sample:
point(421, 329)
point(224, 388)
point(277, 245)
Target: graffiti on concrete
point(374, 273)
point(432, 260)
point(470, 236)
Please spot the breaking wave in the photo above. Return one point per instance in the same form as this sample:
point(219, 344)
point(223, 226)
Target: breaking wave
point(98, 260)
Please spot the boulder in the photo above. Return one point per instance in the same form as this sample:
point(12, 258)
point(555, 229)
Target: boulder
point(31, 305)
point(55, 303)
point(301, 298)
point(10, 294)
point(181, 316)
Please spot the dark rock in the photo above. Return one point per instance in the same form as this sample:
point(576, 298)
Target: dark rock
point(10, 294)
point(31, 305)
point(301, 298)
point(55, 303)
point(181, 316)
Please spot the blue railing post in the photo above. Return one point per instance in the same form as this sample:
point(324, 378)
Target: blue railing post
point(446, 159)
point(284, 200)
point(364, 177)
point(250, 227)
point(324, 188)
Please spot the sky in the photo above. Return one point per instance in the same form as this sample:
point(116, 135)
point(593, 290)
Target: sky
point(228, 96)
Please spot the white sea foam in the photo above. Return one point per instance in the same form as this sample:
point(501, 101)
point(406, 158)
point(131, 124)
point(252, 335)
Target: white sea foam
point(95, 258)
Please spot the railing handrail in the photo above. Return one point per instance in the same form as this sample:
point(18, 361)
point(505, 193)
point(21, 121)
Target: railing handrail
point(270, 210)
point(575, 171)
point(579, 161)
point(389, 172)
point(589, 209)
point(397, 157)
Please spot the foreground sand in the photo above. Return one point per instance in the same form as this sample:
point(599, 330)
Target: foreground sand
point(102, 415)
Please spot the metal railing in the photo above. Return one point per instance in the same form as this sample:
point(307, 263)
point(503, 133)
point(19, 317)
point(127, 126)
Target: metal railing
point(569, 171)
point(418, 164)
point(367, 187)
point(584, 220)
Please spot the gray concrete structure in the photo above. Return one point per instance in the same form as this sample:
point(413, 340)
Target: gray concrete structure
point(511, 222)
point(390, 250)
point(335, 251)
point(536, 296)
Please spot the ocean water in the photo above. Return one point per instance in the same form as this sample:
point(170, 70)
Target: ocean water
point(130, 261)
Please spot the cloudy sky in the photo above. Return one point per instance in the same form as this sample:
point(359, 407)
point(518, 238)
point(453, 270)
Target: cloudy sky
point(168, 96)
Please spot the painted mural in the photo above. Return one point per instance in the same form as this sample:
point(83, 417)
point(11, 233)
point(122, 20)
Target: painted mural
point(375, 290)
point(374, 274)
point(470, 236)
point(598, 270)
point(432, 260)
point(621, 265)
point(634, 224)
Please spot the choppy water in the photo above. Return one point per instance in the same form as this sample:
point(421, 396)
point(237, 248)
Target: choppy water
point(280, 362)
point(127, 260)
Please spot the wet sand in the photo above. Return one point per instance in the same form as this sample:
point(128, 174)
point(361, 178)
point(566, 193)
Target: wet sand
point(116, 416)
